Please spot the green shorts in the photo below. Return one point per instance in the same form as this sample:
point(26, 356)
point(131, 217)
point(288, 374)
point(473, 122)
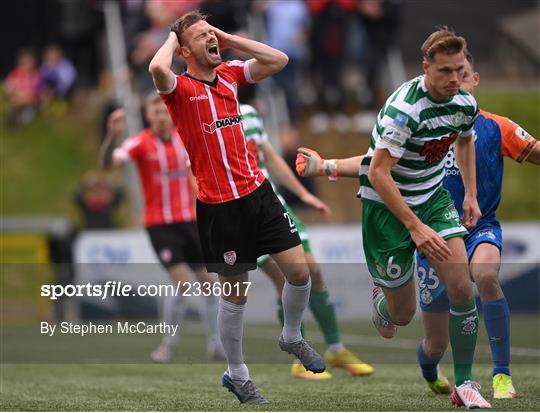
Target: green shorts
point(301, 232)
point(388, 246)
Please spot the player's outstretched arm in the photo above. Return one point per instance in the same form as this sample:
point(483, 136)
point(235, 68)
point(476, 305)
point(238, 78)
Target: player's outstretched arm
point(516, 143)
point(534, 157)
point(425, 238)
point(266, 60)
point(349, 167)
point(116, 127)
point(466, 160)
point(309, 163)
point(280, 171)
point(160, 65)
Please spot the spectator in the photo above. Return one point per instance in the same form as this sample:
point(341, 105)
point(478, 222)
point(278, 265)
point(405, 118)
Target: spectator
point(145, 47)
point(21, 87)
point(161, 14)
point(57, 73)
point(381, 19)
point(287, 23)
point(97, 201)
point(134, 18)
point(80, 29)
point(328, 40)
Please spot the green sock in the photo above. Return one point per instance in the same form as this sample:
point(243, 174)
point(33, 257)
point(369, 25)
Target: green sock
point(463, 333)
point(382, 308)
point(281, 316)
point(323, 311)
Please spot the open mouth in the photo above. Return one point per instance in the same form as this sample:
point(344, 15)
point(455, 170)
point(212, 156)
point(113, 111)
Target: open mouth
point(213, 50)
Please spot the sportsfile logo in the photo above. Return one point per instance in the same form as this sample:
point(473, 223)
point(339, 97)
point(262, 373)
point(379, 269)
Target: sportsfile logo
point(222, 123)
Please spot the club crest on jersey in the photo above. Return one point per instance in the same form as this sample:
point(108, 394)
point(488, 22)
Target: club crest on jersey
point(230, 257)
point(426, 296)
point(459, 118)
point(221, 123)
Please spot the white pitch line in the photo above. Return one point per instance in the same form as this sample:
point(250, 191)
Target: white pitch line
point(396, 343)
point(257, 333)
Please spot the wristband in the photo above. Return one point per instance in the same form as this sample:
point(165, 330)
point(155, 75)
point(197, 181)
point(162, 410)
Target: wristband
point(330, 169)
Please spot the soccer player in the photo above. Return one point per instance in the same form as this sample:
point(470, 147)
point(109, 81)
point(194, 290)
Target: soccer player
point(496, 137)
point(169, 212)
point(405, 207)
point(273, 165)
point(238, 214)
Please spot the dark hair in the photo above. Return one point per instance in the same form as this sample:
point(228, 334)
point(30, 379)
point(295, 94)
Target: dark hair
point(184, 22)
point(444, 40)
point(26, 52)
point(470, 58)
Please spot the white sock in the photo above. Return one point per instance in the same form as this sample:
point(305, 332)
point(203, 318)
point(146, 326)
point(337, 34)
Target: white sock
point(335, 348)
point(173, 312)
point(210, 310)
point(295, 300)
point(231, 330)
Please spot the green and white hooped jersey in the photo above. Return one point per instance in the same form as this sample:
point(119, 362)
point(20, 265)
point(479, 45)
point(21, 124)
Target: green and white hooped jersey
point(419, 131)
point(255, 137)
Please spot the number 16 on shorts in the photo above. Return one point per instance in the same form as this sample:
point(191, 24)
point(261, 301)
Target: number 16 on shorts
point(393, 274)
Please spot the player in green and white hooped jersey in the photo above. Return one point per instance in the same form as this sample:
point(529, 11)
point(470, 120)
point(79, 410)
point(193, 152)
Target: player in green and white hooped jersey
point(405, 206)
point(273, 165)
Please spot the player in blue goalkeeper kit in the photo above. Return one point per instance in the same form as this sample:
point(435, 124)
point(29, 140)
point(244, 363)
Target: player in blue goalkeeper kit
point(496, 137)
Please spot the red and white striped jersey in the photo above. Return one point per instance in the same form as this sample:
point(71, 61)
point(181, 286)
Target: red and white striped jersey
point(163, 167)
point(207, 116)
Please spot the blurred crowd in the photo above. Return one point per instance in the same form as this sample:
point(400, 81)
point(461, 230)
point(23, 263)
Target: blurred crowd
point(332, 82)
point(30, 85)
point(332, 45)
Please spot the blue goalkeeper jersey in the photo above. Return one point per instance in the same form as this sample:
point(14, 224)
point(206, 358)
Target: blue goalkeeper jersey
point(495, 137)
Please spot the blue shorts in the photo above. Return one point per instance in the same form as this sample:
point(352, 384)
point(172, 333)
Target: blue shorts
point(431, 291)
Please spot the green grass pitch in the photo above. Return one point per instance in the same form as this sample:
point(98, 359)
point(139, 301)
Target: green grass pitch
point(396, 384)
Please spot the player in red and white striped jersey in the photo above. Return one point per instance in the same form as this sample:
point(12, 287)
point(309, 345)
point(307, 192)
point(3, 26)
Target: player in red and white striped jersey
point(207, 116)
point(169, 210)
point(163, 166)
point(238, 214)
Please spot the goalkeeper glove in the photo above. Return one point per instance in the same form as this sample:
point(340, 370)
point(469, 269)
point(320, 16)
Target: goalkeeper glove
point(310, 163)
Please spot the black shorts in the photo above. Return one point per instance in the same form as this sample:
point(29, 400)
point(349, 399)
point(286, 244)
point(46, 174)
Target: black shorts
point(235, 233)
point(176, 243)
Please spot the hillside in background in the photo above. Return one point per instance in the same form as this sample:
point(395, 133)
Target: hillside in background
point(42, 163)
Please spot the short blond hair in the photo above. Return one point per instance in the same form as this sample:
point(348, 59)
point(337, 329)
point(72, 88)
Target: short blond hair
point(444, 40)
